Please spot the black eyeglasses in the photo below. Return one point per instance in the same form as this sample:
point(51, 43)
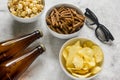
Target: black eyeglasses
point(101, 32)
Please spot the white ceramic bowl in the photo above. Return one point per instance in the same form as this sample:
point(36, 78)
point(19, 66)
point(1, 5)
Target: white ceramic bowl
point(26, 20)
point(62, 61)
point(64, 36)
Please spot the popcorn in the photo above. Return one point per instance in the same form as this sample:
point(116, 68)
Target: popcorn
point(25, 8)
point(20, 6)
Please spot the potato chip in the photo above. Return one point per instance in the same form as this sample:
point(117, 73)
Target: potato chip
point(78, 62)
point(82, 72)
point(98, 54)
point(92, 63)
point(72, 70)
point(65, 54)
point(68, 47)
point(78, 71)
point(81, 76)
point(87, 44)
point(86, 66)
point(86, 52)
point(74, 48)
point(95, 70)
point(70, 58)
point(77, 44)
point(69, 63)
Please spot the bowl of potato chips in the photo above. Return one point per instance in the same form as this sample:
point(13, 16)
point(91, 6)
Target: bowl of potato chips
point(81, 58)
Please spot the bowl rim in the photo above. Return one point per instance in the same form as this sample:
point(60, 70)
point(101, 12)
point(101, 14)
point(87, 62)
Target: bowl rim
point(61, 63)
point(26, 18)
point(66, 5)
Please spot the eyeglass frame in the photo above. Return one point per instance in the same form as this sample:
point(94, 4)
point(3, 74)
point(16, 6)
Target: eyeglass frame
point(108, 36)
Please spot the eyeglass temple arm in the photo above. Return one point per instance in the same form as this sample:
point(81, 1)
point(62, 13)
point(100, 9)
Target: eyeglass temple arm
point(91, 15)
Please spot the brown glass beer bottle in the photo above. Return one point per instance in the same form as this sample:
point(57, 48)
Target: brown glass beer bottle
point(9, 48)
point(14, 68)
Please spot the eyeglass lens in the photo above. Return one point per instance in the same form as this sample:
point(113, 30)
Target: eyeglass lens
point(101, 34)
point(90, 23)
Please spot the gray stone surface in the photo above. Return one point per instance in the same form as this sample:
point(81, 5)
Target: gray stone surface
point(46, 66)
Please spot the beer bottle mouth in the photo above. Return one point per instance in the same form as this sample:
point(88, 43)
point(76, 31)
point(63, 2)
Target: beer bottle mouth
point(43, 47)
point(39, 32)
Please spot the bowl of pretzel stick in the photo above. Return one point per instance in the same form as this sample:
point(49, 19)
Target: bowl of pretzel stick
point(64, 21)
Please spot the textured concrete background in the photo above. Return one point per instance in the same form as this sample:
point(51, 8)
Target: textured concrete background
point(46, 66)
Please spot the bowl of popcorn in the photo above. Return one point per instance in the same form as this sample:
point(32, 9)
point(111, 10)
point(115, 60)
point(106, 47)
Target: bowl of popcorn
point(64, 20)
point(81, 58)
point(26, 11)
